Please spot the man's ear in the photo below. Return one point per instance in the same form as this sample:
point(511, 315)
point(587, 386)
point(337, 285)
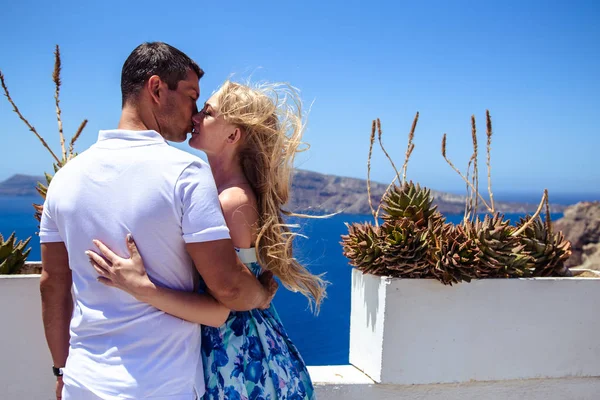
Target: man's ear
point(235, 136)
point(154, 86)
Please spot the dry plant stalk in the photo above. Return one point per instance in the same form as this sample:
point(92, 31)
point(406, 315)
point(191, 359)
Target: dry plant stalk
point(548, 218)
point(461, 175)
point(76, 136)
point(410, 147)
point(475, 167)
point(383, 148)
point(371, 142)
point(409, 151)
point(537, 214)
point(468, 202)
point(489, 151)
point(66, 156)
point(31, 128)
point(57, 82)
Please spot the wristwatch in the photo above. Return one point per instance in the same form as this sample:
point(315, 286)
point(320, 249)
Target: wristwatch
point(57, 371)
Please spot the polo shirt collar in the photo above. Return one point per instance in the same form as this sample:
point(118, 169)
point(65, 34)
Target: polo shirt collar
point(126, 138)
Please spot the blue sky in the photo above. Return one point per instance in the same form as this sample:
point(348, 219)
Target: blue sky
point(533, 64)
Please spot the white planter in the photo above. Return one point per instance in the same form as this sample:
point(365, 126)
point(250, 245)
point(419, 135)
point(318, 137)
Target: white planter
point(407, 331)
point(26, 362)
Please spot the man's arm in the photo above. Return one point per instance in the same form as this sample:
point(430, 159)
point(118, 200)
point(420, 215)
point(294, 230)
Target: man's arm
point(57, 303)
point(228, 280)
point(208, 243)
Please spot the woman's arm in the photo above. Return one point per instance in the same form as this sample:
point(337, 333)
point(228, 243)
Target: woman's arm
point(130, 276)
point(200, 308)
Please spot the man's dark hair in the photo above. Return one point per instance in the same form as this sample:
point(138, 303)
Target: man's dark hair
point(155, 58)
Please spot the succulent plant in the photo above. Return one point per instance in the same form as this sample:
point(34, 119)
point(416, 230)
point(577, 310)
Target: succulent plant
point(416, 242)
point(454, 256)
point(362, 247)
point(405, 248)
point(12, 254)
point(548, 251)
point(500, 253)
point(409, 201)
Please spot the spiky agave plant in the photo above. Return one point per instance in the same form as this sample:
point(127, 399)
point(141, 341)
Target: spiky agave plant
point(454, 256)
point(412, 224)
point(415, 242)
point(399, 247)
point(409, 201)
point(363, 247)
point(13, 254)
point(500, 253)
point(405, 246)
point(548, 251)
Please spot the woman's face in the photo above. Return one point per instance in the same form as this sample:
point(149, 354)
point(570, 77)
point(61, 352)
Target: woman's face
point(211, 132)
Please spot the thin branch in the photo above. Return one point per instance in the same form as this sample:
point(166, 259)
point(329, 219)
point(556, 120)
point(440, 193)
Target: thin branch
point(468, 201)
point(76, 136)
point(405, 166)
point(475, 156)
point(409, 150)
point(489, 151)
point(537, 214)
point(371, 142)
point(31, 128)
point(459, 173)
point(383, 148)
point(548, 219)
point(410, 147)
point(56, 79)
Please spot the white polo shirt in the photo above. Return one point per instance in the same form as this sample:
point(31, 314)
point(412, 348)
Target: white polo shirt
point(132, 181)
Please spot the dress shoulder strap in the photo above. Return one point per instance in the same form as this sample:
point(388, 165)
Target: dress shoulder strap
point(247, 256)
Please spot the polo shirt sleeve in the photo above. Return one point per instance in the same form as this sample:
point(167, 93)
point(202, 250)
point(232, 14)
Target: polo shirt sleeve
point(202, 216)
point(48, 227)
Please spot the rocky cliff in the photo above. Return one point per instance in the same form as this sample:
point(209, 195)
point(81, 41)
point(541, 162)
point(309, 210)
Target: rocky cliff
point(331, 193)
point(581, 226)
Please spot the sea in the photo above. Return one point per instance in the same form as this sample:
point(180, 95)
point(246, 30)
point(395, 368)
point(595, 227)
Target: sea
point(322, 339)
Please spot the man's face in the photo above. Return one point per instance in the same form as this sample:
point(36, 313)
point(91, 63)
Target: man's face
point(178, 107)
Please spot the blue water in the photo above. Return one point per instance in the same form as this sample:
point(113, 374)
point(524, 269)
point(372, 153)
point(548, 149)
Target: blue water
point(322, 339)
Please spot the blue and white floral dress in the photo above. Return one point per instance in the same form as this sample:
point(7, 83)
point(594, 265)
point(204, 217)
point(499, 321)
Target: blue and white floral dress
point(251, 356)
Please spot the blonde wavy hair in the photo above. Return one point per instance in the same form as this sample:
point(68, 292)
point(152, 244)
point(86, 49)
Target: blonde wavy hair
point(270, 118)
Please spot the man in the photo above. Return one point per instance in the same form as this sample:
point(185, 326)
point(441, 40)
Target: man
point(131, 181)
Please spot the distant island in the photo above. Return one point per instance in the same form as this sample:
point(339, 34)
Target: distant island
point(331, 193)
point(319, 193)
point(20, 185)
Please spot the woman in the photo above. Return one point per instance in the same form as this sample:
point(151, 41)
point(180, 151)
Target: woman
point(250, 135)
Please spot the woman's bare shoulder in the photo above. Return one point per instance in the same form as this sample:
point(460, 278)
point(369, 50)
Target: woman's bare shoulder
point(241, 215)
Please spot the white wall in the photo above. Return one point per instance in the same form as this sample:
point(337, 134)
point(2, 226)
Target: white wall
point(25, 362)
point(422, 332)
